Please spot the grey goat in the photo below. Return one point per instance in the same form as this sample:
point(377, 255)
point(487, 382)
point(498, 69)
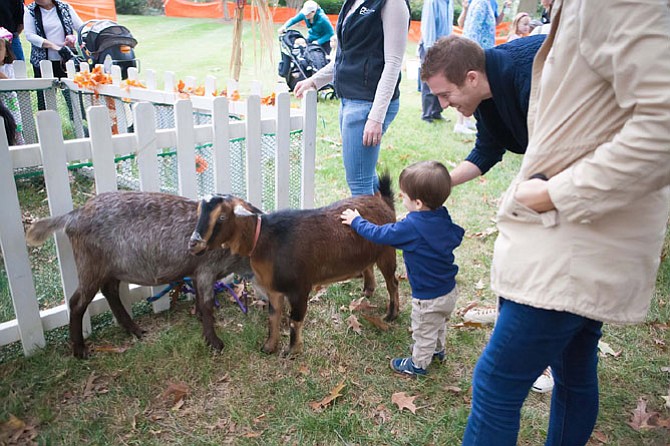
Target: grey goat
point(141, 238)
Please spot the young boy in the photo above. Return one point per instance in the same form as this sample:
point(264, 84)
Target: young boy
point(427, 237)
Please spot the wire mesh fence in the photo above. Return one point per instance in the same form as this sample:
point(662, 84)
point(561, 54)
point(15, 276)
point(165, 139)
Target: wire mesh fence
point(72, 106)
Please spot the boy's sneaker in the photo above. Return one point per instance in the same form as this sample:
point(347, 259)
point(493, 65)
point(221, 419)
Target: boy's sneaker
point(463, 130)
point(544, 383)
point(406, 366)
point(483, 316)
point(437, 356)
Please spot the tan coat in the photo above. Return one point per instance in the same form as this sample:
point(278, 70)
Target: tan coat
point(599, 128)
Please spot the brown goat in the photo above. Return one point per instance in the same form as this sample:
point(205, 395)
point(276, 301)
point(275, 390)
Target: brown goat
point(141, 238)
point(292, 251)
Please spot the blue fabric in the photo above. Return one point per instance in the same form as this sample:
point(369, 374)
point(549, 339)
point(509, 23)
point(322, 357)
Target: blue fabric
point(524, 342)
point(17, 49)
point(501, 120)
point(427, 240)
point(319, 31)
point(359, 60)
point(480, 24)
point(360, 162)
point(437, 18)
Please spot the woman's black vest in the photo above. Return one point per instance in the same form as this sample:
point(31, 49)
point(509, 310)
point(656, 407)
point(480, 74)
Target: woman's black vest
point(360, 51)
point(39, 54)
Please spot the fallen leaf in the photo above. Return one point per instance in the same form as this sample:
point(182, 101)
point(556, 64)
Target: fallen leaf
point(110, 348)
point(361, 304)
point(252, 435)
point(602, 438)
point(352, 322)
point(403, 401)
point(303, 370)
point(605, 349)
point(334, 393)
point(14, 423)
point(667, 400)
point(640, 419)
point(479, 285)
point(95, 385)
point(453, 389)
point(175, 390)
point(376, 321)
point(665, 369)
point(321, 291)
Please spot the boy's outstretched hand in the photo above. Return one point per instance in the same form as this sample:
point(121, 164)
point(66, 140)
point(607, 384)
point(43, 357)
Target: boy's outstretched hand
point(348, 216)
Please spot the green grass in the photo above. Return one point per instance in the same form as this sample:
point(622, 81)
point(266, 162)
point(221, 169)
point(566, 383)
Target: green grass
point(244, 397)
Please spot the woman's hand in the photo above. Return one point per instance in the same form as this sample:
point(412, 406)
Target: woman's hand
point(302, 86)
point(70, 40)
point(348, 216)
point(534, 194)
point(372, 134)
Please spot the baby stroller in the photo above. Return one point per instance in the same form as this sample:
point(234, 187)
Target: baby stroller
point(300, 60)
point(105, 42)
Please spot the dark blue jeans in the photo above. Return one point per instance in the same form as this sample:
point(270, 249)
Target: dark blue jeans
point(524, 342)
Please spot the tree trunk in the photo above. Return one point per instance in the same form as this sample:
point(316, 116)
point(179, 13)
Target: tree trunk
point(236, 55)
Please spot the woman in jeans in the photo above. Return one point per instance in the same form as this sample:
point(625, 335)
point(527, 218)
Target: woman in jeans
point(372, 36)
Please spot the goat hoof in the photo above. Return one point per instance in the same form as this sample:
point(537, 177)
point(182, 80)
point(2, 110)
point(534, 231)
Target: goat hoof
point(390, 317)
point(138, 332)
point(268, 349)
point(368, 293)
point(80, 352)
point(216, 344)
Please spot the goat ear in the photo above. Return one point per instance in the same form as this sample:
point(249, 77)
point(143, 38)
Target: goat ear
point(241, 211)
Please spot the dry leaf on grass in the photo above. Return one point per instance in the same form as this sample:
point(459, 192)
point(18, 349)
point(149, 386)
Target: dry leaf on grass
point(352, 322)
point(17, 431)
point(177, 392)
point(641, 417)
point(320, 292)
point(376, 321)
point(361, 304)
point(600, 437)
point(110, 348)
point(95, 385)
point(453, 389)
point(605, 349)
point(319, 405)
point(404, 401)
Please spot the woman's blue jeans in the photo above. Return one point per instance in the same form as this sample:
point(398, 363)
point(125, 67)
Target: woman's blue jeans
point(360, 162)
point(524, 342)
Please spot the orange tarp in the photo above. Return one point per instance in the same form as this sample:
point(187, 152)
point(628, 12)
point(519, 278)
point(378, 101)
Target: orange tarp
point(91, 9)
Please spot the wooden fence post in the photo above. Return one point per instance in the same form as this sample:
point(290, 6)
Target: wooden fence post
point(308, 149)
point(188, 183)
point(17, 265)
point(254, 153)
point(52, 148)
point(283, 151)
point(223, 183)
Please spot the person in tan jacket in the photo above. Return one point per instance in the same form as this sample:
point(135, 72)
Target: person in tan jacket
point(582, 225)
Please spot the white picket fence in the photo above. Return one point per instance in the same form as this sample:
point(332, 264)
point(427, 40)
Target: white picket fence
point(53, 153)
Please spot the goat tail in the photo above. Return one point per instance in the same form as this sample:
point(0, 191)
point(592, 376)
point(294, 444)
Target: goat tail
point(385, 189)
point(41, 230)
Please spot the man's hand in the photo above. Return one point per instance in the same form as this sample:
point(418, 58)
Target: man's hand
point(302, 86)
point(281, 30)
point(348, 216)
point(372, 134)
point(535, 195)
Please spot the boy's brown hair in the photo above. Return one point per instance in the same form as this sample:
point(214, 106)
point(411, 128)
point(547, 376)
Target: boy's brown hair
point(453, 56)
point(428, 181)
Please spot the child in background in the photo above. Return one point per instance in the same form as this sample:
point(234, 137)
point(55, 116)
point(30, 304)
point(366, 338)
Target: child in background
point(9, 98)
point(520, 26)
point(427, 238)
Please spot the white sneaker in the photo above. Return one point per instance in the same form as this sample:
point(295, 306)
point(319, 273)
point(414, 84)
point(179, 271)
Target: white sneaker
point(544, 383)
point(483, 316)
point(463, 129)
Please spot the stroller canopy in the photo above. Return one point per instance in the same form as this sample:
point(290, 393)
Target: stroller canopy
point(99, 35)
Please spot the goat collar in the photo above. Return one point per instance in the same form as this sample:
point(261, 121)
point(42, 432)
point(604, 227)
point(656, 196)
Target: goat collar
point(258, 233)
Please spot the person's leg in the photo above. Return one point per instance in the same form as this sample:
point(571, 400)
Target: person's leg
point(524, 342)
point(326, 47)
point(426, 323)
point(574, 402)
point(41, 103)
point(430, 105)
point(59, 72)
point(17, 49)
point(360, 162)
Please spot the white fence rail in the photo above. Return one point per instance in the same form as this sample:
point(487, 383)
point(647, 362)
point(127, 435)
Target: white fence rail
point(54, 153)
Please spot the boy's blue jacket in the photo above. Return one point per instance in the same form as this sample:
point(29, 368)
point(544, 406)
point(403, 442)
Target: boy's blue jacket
point(320, 31)
point(427, 240)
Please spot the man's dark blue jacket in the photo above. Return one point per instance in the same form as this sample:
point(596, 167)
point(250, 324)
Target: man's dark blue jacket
point(501, 120)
